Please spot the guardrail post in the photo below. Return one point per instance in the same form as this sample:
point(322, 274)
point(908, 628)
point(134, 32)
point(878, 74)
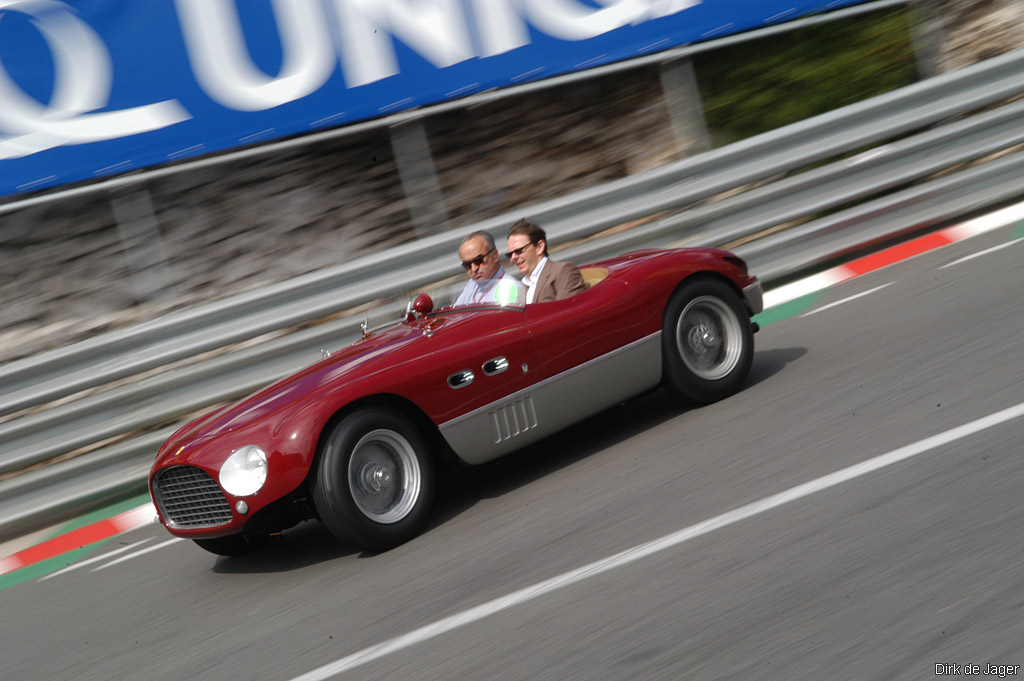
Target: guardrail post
point(927, 35)
point(418, 174)
point(685, 108)
point(142, 245)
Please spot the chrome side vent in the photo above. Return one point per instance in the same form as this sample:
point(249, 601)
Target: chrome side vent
point(513, 418)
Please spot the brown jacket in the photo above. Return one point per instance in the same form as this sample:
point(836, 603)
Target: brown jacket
point(558, 280)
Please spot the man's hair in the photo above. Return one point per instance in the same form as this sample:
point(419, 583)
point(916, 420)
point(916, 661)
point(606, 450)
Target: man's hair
point(532, 231)
point(486, 236)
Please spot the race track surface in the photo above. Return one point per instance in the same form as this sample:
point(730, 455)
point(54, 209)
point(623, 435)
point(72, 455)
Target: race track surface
point(769, 567)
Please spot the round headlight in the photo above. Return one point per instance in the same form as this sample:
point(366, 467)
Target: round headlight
point(244, 472)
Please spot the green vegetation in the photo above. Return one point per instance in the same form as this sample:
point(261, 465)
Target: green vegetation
point(761, 85)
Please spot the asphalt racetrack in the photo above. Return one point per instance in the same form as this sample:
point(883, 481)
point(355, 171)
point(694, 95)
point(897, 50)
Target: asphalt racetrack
point(854, 513)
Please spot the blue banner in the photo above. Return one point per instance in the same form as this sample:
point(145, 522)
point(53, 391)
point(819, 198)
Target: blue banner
point(91, 88)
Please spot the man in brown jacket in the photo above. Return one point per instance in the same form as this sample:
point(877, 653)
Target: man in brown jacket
point(545, 279)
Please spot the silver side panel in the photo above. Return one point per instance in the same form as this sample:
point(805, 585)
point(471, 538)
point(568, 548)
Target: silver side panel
point(536, 412)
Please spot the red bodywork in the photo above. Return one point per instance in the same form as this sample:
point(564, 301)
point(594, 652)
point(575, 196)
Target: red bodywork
point(406, 365)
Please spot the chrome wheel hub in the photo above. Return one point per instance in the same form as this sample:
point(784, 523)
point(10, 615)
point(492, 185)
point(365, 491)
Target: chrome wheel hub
point(702, 338)
point(376, 477)
point(709, 338)
point(384, 476)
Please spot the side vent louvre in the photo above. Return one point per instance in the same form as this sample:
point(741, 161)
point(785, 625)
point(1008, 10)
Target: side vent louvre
point(512, 419)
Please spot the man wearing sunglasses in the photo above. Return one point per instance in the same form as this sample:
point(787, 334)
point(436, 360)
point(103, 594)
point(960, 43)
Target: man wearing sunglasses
point(545, 279)
point(488, 283)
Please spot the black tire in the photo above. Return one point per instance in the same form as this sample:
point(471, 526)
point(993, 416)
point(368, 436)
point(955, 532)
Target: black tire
point(375, 480)
point(233, 544)
point(707, 341)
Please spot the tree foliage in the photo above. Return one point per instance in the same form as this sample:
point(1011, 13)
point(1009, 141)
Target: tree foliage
point(762, 85)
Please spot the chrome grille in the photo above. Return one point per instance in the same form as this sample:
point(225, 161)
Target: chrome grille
point(190, 498)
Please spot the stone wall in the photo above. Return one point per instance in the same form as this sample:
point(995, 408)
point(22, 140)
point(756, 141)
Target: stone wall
point(979, 29)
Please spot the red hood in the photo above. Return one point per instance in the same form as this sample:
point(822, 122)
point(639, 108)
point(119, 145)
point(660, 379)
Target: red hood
point(379, 350)
point(363, 358)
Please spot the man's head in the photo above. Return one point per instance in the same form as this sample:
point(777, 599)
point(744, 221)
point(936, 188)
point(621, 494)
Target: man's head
point(527, 245)
point(479, 256)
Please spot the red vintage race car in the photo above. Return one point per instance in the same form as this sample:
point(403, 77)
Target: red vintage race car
point(356, 438)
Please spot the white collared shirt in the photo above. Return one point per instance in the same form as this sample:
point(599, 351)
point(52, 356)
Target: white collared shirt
point(475, 293)
point(530, 280)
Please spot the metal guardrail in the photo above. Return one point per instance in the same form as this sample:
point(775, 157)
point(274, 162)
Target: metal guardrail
point(100, 360)
point(832, 186)
point(769, 182)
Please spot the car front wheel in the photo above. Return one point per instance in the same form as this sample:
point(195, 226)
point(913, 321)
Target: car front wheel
point(375, 480)
point(707, 341)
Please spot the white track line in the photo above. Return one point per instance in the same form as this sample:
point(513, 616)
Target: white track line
point(846, 300)
point(443, 626)
point(972, 256)
point(83, 563)
point(137, 554)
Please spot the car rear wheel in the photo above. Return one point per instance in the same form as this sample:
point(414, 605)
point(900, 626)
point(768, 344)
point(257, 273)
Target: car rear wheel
point(374, 481)
point(707, 341)
point(233, 544)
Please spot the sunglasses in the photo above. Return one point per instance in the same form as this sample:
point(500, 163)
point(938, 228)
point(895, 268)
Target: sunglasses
point(519, 251)
point(477, 261)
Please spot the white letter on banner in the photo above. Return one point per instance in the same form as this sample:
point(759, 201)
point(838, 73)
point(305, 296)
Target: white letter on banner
point(436, 29)
point(502, 28)
point(81, 83)
point(663, 8)
point(568, 20)
point(224, 69)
